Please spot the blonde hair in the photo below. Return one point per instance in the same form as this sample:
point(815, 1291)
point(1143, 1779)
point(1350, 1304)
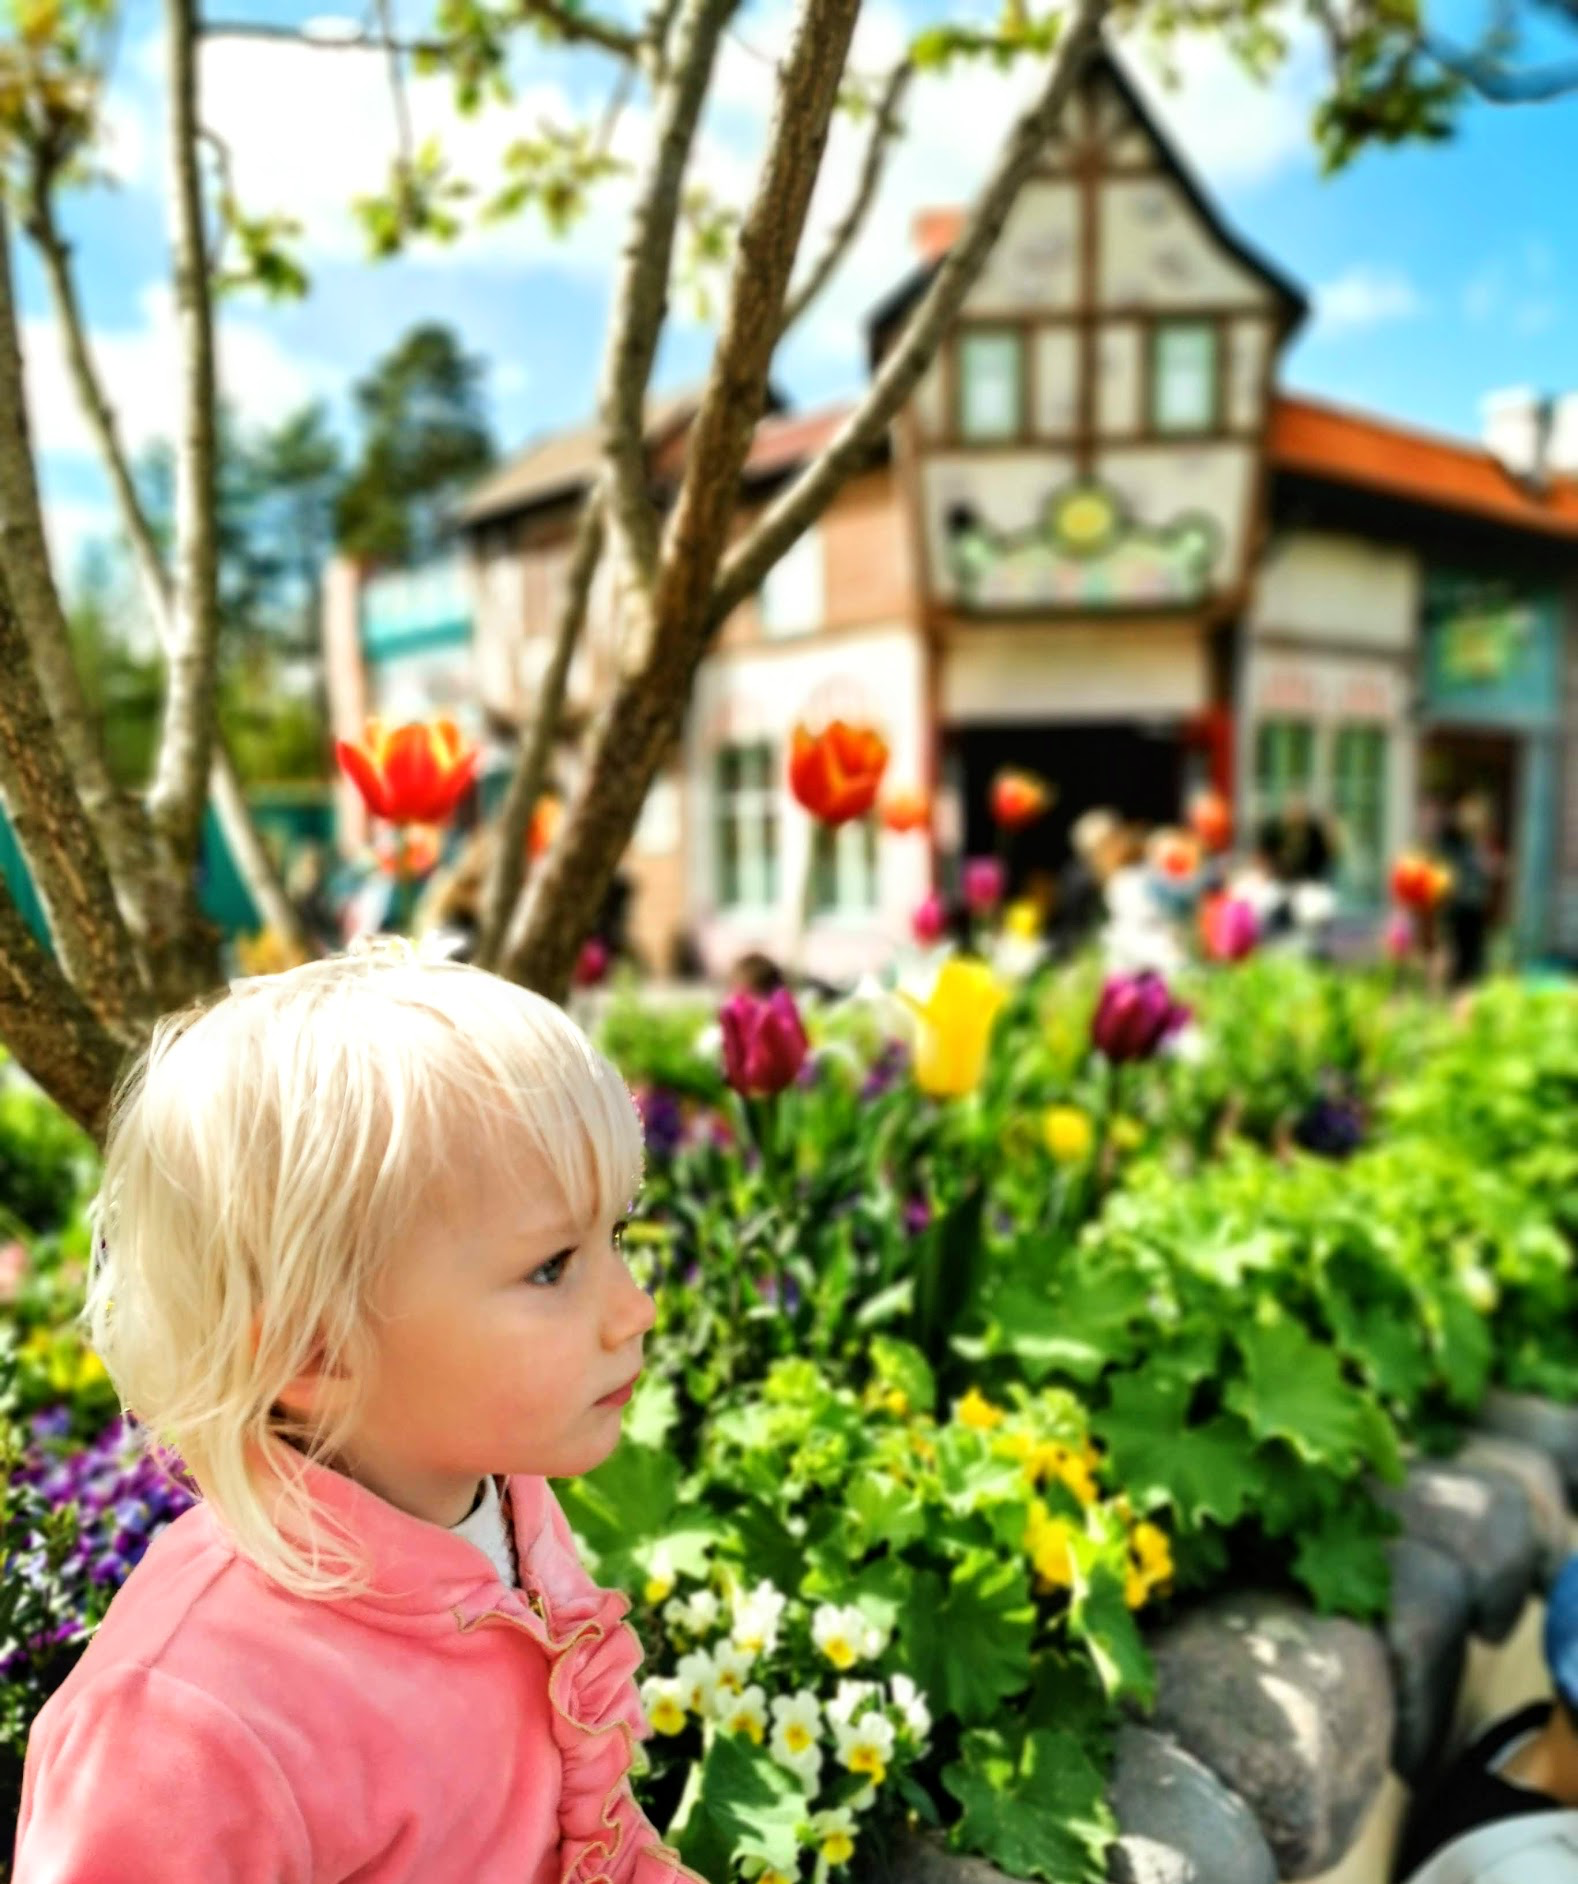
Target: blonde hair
point(264, 1152)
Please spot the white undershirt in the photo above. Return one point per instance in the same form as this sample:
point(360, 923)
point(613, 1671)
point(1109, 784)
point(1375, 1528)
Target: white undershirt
point(487, 1526)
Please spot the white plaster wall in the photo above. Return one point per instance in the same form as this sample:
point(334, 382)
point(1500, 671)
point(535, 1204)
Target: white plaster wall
point(877, 676)
point(1118, 377)
point(1057, 381)
point(1157, 251)
point(1163, 483)
point(1035, 264)
point(1249, 345)
point(1337, 588)
point(1104, 671)
point(496, 579)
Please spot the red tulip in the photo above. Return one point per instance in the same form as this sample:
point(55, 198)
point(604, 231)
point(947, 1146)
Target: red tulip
point(421, 850)
point(1018, 799)
point(904, 811)
point(1418, 882)
point(984, 880)
point(1135, 1014)
point(411, 774)
point(837, 773)
point(929, 920)
point(764, 1044)
point(1211, 820)
point(546, 817)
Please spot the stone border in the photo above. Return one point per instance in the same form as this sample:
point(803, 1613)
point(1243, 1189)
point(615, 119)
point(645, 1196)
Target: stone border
point(1277, 1733)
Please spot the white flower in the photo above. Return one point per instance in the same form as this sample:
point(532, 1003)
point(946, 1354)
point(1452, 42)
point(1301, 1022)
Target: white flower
point(757, 1870)
point(756, 1619)
point(663, 1697)
point(731, 1666)
point(797, 1727)
point(866, 1745)
point(745, 1713)
point(1314, 905)
point(697, 1675)
point(660, 1576)
point(695, 1614)
point(911, 1703)
point(845, 1637)
point(834, 1831)
point(1188, 1045)
point(851, 1697)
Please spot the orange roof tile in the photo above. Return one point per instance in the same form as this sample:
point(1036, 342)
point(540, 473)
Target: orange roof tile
point(791, 438)
point(1447, 474)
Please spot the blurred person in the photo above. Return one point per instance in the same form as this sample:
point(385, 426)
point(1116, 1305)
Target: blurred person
point(1505, 1811)
point(307, 886)
point(1297, 843)
point(1081, 887)
point(1468, 850)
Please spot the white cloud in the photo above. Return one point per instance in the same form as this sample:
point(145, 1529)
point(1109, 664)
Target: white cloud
point(1366, 296)
point(138, 366)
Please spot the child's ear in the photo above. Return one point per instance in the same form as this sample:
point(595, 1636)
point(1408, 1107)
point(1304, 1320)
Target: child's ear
point(318, 1390)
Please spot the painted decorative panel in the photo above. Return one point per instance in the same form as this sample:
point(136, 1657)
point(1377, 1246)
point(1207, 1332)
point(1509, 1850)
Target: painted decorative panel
point(1246, 373)
point(1035, 262)
point(1157, 252)
point(1492, 651)
point(1119, 378)
point(1056, 381)
point(1024, 531)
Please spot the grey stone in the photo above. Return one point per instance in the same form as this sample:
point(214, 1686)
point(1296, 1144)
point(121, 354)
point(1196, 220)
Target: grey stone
point(921, 1857)
point(1291, 1711)
point(1177, 1823)
point(1537, 1473)
point(1481, 1519)
point(1543, 1423)
point(1427, 1641)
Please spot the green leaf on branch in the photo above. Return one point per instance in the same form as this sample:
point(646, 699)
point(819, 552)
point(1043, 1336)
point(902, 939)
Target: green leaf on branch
point(1206, 1471)
point(1037, 1809)
point(1294, 1390)
point(1099, 1617)
point(1081, 1325)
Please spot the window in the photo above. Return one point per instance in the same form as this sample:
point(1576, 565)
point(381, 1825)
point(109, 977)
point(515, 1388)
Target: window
point(844, 867)
point(1284, 761)
point(1359, 766)
point(1184, 378)
point(793, 596)
point(745, 810)
point(991, 386)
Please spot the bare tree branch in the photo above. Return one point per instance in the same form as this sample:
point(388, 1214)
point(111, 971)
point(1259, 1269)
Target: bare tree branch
point(68, 869)
point(805, 500)
point(637, 732)
point(562, 22)
point(885, 128)
point(55, 1036)
point(641, 296)
point(503, 898)
point(116, 817)
point(404, 134)
point(251, 857)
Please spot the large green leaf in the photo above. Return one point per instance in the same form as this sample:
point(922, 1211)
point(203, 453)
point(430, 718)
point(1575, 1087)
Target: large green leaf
point(1100, 1618)
point(1038, 1810)
point(883, 1512)
point(968, 1640)
point(1342, 1560)
point(1294, 1391)
point(1201, 1471)
point(744, 1803)
point(1082, 1325)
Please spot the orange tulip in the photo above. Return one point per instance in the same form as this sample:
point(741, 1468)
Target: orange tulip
point(906, 811)
point(412, 774)
point(421, 852)
point(836, 774)
point(1211, 820)
point(1175, 855)
point(1018, 799)
point(546, 817)
point(1418, 882)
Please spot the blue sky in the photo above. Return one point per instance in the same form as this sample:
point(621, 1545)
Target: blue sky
point(1436, 273)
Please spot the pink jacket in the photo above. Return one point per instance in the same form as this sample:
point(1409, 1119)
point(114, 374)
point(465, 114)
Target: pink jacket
point(442, 1730)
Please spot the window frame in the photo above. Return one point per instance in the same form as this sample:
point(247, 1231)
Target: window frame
point(845, 870)
point(1364, 887)
point(1012, 337)
point(1161, 332)
point(753, 807)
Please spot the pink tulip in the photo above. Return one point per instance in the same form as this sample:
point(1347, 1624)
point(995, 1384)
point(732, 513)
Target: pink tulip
point(764, 1044)
point(929, 920)
point(1231, 928)
point(591, 965)
point(1400, 938)
point(983, 883)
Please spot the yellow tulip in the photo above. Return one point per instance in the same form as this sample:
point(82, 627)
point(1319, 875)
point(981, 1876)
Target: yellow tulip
point(1069, 1134)
point(1022, 920)
point(955, 1028)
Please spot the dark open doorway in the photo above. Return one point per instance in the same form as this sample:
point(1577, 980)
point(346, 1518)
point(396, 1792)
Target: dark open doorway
point(1137, 771)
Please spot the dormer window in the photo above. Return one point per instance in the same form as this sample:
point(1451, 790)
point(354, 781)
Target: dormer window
point(991, 386)
point(1185, 377)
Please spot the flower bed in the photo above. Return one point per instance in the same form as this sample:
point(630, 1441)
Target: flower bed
point(975, 1352)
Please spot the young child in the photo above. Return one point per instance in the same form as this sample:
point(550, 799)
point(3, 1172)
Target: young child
point(358, 1265)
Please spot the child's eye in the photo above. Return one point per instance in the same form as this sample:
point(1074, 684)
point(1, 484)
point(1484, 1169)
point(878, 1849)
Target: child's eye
point(557, 1264)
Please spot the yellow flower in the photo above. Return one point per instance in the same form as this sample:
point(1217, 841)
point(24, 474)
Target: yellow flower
point(1074, 1470)
point(1020, 1446)
point(955, 1028)
point(838, 1848)
point(667, 1716)
point(1069, 1134)
point(90, 1370)
point(1150, 1564)
point(977, 1413)
point(1022, 920)
point(1050, 1542)
point(868, 1760)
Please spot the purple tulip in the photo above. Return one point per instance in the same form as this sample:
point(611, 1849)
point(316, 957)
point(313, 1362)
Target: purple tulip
point(662, 1120)
point(1135, 1014)
point(764, 1044)
point(983, 883)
